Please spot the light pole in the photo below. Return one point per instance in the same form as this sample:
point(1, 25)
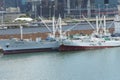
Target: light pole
point(68, 7)
point(99, 10)
point(54, 10)
point(106, 5)
point(2, 18)
point(35, 10)
point(50, 11)
point(53, 5)
point(80, 10)
point(89, 9)
point(41, 8)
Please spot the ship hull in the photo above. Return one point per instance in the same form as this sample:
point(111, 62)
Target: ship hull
point(76, 48)
point(6, 52)
point(14, 46)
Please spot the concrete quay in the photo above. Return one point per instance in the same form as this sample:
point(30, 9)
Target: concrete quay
point(44, 35)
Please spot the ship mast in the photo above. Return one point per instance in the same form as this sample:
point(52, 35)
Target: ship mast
point(21, 32)
point(60, 27)
point(97, 26)
point(53, 26)
point(104, 25)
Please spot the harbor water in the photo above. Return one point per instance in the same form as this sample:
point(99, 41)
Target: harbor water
point(102, 64)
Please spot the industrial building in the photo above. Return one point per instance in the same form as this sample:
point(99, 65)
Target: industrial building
point(1, 4)
point(91, 8)
point(74, 8)
point(66, 8)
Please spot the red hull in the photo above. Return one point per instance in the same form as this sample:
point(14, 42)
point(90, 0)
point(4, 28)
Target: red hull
point(26, 51)
point(75, 48)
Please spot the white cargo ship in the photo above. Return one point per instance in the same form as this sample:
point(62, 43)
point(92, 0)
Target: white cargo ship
point(100, 38)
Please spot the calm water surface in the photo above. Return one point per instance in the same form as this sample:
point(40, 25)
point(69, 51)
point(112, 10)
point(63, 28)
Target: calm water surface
point(103, 64)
